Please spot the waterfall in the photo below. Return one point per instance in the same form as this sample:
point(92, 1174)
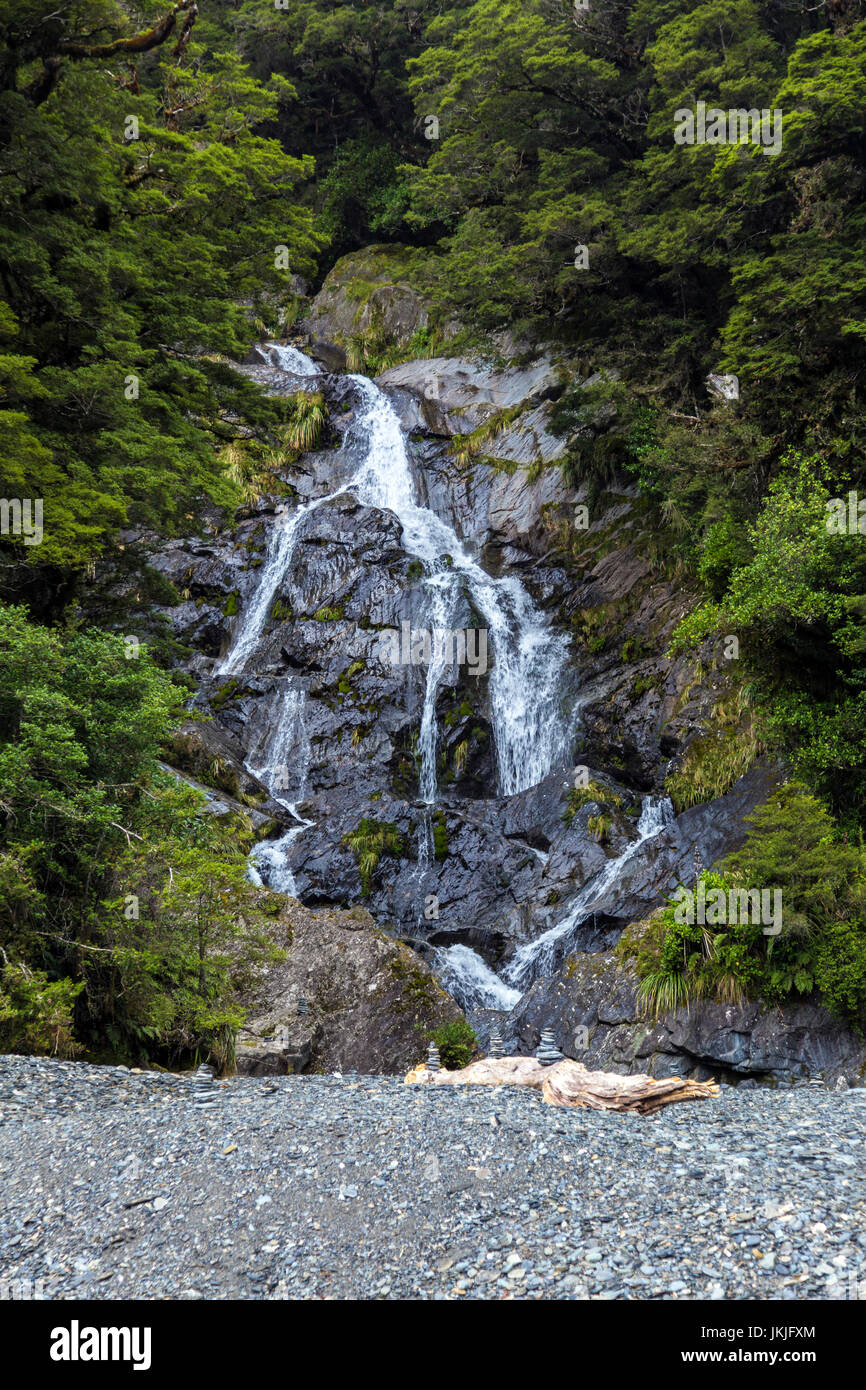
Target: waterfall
point(524, 689)
point(268, 862)
point(470, 980)
point(543, 955)
point(529, 658)
point(475, 985)
point(290, 360)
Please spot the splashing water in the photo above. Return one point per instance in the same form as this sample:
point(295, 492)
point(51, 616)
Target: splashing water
point(470, 980)
point(529, 658)
point(543, 955)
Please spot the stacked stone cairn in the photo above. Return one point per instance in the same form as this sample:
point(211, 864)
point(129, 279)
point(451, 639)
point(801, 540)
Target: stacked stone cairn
point(205, 1094)
point(548, 1053)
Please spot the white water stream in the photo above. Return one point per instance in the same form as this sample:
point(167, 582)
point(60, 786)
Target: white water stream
point(529, 657)
point(474, 985)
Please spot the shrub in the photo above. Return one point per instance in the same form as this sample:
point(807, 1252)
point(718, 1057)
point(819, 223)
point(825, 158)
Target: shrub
point(368, 842)
point(35, 1015)
point(456, 1042)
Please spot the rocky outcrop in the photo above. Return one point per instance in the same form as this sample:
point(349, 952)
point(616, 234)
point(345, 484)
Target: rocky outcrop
point(346, 997)
point(453, 395)
point(504, 869)
point(591, 1006)
point(483, 870)
point(367, 294)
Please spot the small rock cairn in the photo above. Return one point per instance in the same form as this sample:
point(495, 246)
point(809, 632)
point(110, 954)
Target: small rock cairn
point(548, 1053)
point(205, 1094)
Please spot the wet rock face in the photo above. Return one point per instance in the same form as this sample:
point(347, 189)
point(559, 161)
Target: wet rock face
point(477, 868)
point(453, 395)
point(350, 579)
point(346, 997)
point(592, 1008)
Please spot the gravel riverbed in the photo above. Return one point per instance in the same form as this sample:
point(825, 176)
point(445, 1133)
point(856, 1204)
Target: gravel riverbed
point(116, 1185)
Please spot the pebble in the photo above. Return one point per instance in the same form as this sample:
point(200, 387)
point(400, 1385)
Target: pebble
point(116, 1185)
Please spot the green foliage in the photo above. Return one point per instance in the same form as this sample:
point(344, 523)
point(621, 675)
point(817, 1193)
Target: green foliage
point(840, 969)
point(712, 764)
point(36, 1015)
point(124, 263)
point(793, 846)
point(126, 919)
point(440, 835)
point(362, 197)
point(368, 842)
point(695, 628)
point(456, 1043)
point(347, 63)
point(593, 791)
point(797, 605)
point(307, 424)
point(598, 828)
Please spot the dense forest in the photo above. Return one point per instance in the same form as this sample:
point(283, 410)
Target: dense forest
point(174, 181)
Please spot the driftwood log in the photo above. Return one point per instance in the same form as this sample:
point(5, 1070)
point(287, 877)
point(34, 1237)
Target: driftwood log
point(569, 1083)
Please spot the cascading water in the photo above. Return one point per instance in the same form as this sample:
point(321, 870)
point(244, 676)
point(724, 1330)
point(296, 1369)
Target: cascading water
point(542, 956)
point(474, 985)
point(524, 689)
point(529, 658)
point(471, 981)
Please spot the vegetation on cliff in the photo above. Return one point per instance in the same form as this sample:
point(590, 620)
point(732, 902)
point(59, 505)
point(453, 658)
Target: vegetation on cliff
point(168, 172)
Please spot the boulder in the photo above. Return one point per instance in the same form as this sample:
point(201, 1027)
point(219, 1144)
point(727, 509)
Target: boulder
point(368, 292)
point(368, 1000)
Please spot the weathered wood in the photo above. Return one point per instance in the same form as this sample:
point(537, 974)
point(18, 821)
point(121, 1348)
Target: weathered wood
point(569, 1083)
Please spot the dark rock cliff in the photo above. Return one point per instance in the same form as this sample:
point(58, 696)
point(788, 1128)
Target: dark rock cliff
point(488, 871)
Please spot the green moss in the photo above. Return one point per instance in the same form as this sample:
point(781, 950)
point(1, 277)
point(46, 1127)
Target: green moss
point(368, 842)
point(440, 835)
point(225, 693)
point(329, 614)
point(230, 607)
point(418, 991)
